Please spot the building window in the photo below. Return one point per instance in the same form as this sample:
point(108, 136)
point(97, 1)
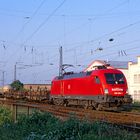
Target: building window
point(138, 95)
point(135, 78)
point(135, 95)
point(138, 78)
point(135, 92)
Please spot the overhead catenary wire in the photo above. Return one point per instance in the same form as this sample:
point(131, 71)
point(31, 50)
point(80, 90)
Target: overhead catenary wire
point(54, 68)
point(125, 43)
point(96, 17)
point(125, 28)
point(107, 34)
point(108, 55)
point(65, 44)
point(31, 17)
point(44, 22)
point(116, 53)
point(38, 28)
point(117, 45)
point(117, 6)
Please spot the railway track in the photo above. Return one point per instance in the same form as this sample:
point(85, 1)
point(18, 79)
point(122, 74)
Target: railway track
point(127, 120)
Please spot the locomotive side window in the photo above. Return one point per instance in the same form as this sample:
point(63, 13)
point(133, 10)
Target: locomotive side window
point(112, 78)
point(97, 80)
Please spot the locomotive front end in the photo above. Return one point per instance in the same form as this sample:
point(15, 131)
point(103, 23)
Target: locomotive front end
point(115, 89)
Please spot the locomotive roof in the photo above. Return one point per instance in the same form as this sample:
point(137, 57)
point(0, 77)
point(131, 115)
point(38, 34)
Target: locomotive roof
point(74, 75)
point(83, 74)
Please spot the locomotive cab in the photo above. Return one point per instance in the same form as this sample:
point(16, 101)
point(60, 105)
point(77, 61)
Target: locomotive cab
point(116, 84)
point(115, 90)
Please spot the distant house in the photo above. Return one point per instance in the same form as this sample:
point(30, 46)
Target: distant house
point(1, 89)
point(94, 65)
point(6, 88)
point(134, 79)
point(119, 64)
point(131, 71)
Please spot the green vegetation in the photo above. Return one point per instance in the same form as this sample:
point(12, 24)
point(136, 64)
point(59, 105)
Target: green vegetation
point(17, 85)
point(136, 103)
point(44, 126)
point(5, 115)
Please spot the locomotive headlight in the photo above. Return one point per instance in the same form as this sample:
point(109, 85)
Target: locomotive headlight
point(127, 91)
point(106, 91)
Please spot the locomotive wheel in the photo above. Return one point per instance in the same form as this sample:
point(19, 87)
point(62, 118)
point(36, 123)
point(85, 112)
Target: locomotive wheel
point(86, 106)
point(99, 107)
point(65, 103)
point(51, 101)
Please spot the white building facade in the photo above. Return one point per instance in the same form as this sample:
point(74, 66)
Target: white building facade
point(134, 79)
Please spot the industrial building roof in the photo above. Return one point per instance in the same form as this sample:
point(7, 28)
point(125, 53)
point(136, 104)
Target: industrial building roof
point(119, 64)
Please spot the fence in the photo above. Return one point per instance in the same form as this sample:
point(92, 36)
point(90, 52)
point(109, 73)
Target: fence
point(18, 108)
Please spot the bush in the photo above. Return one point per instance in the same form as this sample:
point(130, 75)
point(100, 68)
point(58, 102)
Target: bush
point(5, 115)
point(44, 126)
point(17, 85)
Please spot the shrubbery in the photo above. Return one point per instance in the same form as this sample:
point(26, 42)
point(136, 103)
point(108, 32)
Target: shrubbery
point(5, 115)
point(17, 85)
point(44, 126)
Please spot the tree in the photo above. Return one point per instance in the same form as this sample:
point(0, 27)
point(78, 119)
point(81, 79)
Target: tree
point(17, 85)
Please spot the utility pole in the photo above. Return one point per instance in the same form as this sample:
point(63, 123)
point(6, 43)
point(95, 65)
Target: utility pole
point(61, 62)
point(3, 79)
point(20, 65)
point(15, 72)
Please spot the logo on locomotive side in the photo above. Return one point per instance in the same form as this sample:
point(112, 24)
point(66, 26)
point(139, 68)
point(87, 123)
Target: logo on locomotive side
point(117, 89)
point(69, 86)
point(118, 93)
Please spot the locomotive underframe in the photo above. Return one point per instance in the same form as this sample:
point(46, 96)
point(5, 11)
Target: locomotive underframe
point(99, 102)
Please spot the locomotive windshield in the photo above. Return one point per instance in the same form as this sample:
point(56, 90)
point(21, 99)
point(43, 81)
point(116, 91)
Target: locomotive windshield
point(114, 78)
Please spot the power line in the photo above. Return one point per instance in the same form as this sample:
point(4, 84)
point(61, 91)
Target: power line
point(117, 6)
point(96, 17)
point(121, 53)
point(31, 17)
point(118, 45)
point(113, 53)
point(110, 54)
point(44, 22)
point(107, 34)
point(31, 37)
point(38, 28)
point(47, 19)
point(109, 15)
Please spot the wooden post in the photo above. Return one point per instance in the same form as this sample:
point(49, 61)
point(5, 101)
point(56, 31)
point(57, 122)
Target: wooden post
point(14, 110)
point(28, 110)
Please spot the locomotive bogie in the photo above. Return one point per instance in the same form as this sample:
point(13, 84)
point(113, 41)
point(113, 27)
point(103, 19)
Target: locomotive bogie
point(101, 102)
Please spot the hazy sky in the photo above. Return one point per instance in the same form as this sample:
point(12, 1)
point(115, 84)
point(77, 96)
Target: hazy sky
point(31, 32)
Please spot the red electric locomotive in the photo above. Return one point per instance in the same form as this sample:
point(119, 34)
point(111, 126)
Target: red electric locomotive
point(101, 89)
